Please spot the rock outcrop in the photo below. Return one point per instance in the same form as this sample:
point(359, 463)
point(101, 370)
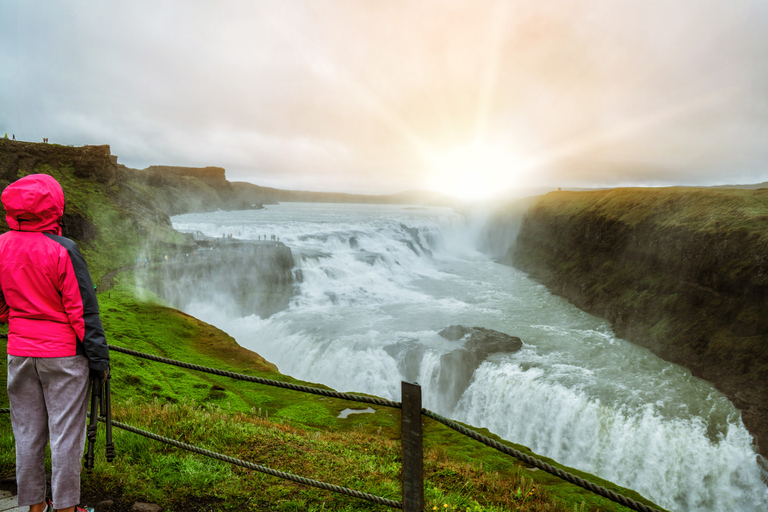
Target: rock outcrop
point(214, 177)
point(683, 272)
point(114, 212)
point(94, 163)
point(458, 366)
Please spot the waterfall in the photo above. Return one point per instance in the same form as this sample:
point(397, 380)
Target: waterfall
point(380, 282)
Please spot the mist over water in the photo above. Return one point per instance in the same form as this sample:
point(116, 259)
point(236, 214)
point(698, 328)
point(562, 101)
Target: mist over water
point(379, 282)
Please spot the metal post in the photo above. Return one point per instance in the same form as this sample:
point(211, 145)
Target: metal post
point(413, 478)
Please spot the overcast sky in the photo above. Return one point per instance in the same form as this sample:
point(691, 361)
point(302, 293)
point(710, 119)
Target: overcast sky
point(378, 96)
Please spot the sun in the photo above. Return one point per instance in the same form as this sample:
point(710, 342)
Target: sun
point(472, 171)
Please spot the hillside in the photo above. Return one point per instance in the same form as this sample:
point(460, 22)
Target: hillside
point(248, 192)
point(681, 271)
point(115, 216)
point(108, 210)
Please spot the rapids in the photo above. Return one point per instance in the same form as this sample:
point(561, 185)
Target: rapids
point(379, 282)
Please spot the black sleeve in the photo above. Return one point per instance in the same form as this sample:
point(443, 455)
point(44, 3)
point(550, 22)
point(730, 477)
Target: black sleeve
point(94, 342)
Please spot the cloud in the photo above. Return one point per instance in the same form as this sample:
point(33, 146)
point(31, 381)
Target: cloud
point(346, 95)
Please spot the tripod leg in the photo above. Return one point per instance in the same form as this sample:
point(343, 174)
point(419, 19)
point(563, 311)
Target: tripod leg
point(93, 424)
point(108, 414)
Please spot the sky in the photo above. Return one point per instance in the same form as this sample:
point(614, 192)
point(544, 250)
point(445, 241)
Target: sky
point(470, 98)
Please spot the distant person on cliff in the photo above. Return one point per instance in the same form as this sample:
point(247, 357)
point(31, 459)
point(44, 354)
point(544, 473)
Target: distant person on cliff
point(55, 341)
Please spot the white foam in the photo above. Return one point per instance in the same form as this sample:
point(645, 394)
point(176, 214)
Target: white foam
point(673, 461)
point(367, 315)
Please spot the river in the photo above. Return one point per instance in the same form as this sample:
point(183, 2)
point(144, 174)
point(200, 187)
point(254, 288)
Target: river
point(380, 281)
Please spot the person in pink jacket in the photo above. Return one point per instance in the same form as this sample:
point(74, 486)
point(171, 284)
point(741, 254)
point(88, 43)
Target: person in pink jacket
point(55, 342)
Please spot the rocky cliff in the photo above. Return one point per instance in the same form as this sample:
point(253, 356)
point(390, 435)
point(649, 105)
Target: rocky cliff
point(178, 190)
point(106, 212)
point(167, 189)
point(683, 272)
point(115, 213)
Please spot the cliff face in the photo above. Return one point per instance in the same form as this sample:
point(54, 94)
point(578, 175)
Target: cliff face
point(244, 278)
point(178, 190)
point(105, 213)
point(211, 176)
point(683, 272)
point(88, 162)
point(116, 213)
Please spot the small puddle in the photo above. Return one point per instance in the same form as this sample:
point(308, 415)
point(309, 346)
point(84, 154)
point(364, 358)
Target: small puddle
point(347, 412)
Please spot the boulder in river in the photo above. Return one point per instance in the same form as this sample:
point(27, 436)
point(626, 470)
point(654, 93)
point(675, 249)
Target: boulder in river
point(458, 366)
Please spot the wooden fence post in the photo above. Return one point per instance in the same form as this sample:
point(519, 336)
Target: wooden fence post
point(413, 478)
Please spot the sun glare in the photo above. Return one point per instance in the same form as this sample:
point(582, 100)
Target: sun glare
point(473, 171)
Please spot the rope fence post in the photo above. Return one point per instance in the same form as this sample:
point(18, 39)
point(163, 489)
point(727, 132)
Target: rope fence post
point(413, 450)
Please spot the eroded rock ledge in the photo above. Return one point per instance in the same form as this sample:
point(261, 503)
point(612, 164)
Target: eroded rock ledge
point(683, 272)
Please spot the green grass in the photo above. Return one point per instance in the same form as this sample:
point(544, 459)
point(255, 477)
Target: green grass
point(702, 209)
point(282, 429)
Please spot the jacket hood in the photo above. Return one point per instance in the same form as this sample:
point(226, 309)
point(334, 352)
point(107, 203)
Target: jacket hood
point(34, 203)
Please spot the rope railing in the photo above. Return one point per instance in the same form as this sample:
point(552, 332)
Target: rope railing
point(564, 475)
point(256, 467)
point(260, 380)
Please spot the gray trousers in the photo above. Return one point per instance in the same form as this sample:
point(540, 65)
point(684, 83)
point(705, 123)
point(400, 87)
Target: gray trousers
point(49, 398)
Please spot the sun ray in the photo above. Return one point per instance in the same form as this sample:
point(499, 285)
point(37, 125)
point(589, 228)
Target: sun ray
point(490, 75)
point(317, 61)
point(629, 128)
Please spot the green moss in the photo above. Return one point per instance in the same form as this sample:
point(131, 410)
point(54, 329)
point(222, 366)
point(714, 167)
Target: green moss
point(310, 414)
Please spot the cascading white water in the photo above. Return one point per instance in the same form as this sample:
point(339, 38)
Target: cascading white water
point(379, 282)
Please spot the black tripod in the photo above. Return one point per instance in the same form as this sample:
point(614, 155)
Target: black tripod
point(101, 400)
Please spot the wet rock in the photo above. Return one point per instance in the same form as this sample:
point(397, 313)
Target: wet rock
point(414, 232)
point(408, 355)
point(248, 278)
point(417, 242)
point(411, 246)
point(454, 332)
point(482, 341)
point(353, 242)
point(367, 257)
point(458, 366)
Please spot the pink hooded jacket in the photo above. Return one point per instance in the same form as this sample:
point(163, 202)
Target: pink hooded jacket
point(46, 293)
